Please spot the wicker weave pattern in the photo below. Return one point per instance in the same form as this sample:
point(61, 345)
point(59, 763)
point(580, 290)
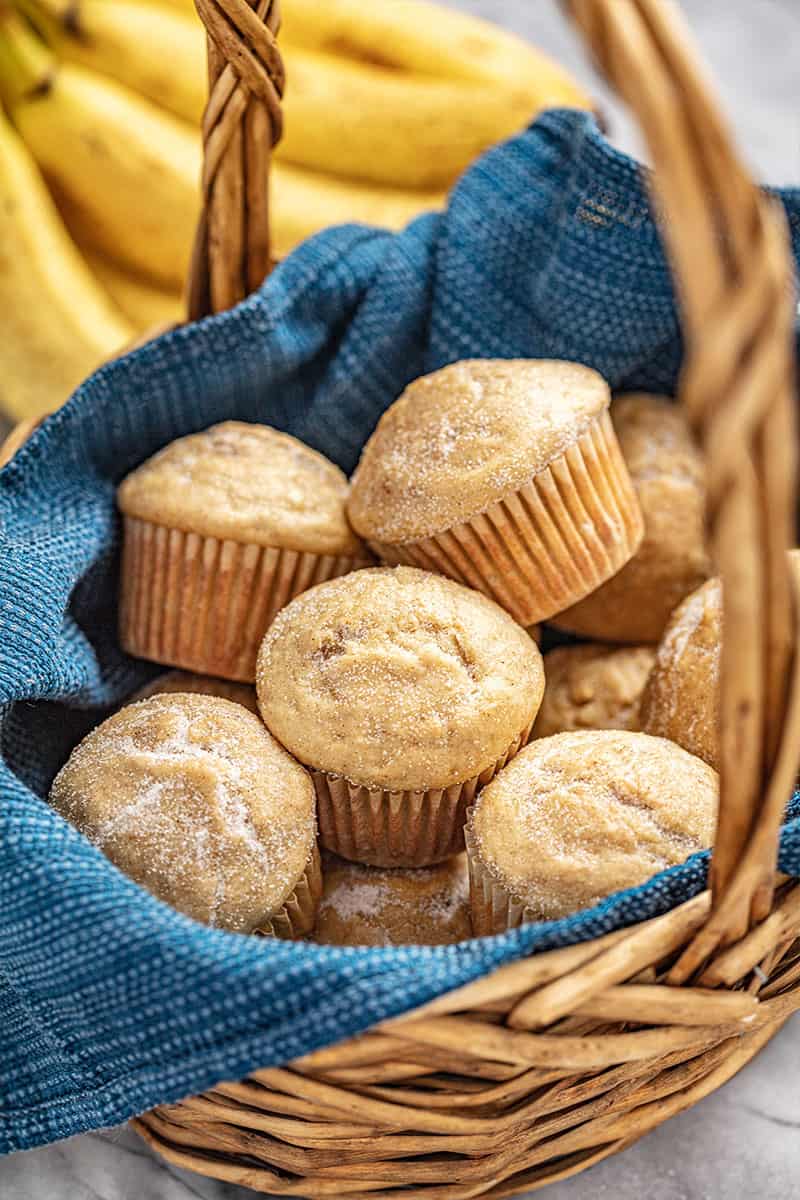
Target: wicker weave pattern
point(242, 123)
point(525, 1077)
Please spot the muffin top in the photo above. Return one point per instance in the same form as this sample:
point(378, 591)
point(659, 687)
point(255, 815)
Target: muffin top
point(246, 482)
point(204, 685)
point(681, 699)
point(370, 906)
point(191, 797)
point(668, 475)
point(460, 439)
point(397, 679)
point(593, 687)
point(580, 815)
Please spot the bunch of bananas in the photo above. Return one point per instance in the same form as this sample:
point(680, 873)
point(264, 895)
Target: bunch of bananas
point(100, 152)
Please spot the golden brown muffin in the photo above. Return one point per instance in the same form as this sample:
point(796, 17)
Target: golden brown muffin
point(669, 478)
point(400, 689)
point(192, 798)
point(681, 699)
point(247, 482)
point(505, 475)
point(203, 685)
point(220, 530)
point(370, 906)
point(580, 815)
point(593, 687)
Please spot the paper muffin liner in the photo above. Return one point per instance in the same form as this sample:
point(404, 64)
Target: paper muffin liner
point(546, 546)
point(399, 829)
point(492, 907)
point(298, 916)
point(204, 603)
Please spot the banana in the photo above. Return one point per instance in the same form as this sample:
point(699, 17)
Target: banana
point(304, 202)
point(344, 117)
point(17, 438)
point(414, 35)
point(128, 173)
point(157, 51)
point(420, 37)
point(187, 7)
point(58, 324)
point(410, 130)
point(146, 306)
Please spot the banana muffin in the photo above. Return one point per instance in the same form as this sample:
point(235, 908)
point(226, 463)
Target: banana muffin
point(192, 798)
point(220, 530)
point(373, 906)
point(593, 687)
point(681, 699)
point(669, 479)
point(505, 475)
point(578, 816)
point(402, 691)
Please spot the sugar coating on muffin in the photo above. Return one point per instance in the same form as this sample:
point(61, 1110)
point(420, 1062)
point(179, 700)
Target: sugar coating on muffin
point(191, 797)
point(397, 679)
point(593, 686)
point(369, 906)
point(203, 685)
point(465, 436)
point(681, 699)
point(668, 475)
point(578, 816)
point(246, 482)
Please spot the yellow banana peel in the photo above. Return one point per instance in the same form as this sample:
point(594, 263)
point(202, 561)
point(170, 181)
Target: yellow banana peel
point(127, 172)
point(156, 50)
point(146, 305)
point(58, 324)
point(435, 40)
point(410, 130)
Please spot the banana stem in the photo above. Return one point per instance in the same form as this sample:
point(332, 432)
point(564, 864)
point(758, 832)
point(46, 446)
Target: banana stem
point(26, 65)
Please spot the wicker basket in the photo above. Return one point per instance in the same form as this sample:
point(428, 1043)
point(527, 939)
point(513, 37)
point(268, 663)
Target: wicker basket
point(548, 1065)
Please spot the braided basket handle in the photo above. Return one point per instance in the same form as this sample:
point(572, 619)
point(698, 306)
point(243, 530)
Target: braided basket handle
point(241, 125)
point(731, 261)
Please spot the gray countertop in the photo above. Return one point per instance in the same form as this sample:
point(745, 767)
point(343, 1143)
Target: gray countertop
point(744, 1139)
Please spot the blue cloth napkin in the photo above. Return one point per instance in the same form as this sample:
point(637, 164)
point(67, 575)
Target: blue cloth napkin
point(110, 1002)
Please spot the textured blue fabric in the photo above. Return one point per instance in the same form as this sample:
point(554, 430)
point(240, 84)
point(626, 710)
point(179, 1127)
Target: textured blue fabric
point(110, 1001)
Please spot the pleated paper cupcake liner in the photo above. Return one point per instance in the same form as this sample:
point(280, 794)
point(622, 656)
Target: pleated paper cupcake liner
point(546, 546)
point(398, 829)
point(298, 916)
point(492, 907)
point(205, 603)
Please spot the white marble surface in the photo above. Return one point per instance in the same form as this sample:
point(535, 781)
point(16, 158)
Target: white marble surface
point(743, 1141)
